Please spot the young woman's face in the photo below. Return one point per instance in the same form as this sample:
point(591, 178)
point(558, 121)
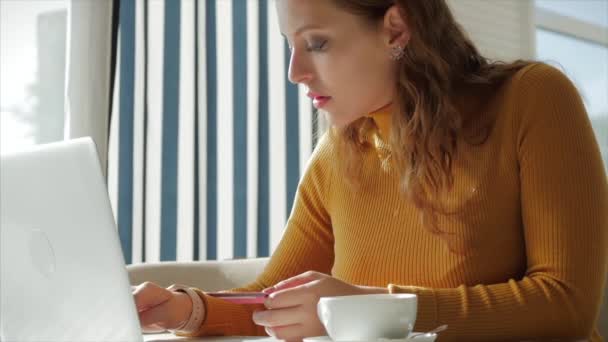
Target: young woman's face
point(342, 60)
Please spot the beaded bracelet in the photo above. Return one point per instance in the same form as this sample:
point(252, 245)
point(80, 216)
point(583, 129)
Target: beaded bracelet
point(196, 318)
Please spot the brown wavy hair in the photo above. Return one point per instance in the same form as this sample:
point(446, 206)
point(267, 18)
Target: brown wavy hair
point(440, 61)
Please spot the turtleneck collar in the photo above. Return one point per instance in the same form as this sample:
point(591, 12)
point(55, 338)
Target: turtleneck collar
point(382, 118)
point(468, 102)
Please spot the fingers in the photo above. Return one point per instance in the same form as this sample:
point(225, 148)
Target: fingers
point(280, 317)
point(171, 314)
point(148, 295)
point(290, 332)
point(155, 318)
point(294, 296)
point(292, 305)
point(295, 281)
point(168, 315)
point(289, 324)
point(296, 332)
point(152, 329)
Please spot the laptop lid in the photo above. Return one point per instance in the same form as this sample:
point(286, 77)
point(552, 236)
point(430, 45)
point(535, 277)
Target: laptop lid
point(62, 274)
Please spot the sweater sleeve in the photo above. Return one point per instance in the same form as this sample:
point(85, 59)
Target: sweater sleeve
point(306, 244)
point(564, 206)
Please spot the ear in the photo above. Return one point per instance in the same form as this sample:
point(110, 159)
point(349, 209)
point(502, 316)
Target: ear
point(396, 27)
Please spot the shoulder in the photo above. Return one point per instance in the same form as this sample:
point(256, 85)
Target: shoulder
point(546, 104)
point(542, 81)
point(325, 149)
point(321, 162)
point(540, 69)
point(540, 92)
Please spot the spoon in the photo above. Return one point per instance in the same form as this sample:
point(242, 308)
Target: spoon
point(434, 331)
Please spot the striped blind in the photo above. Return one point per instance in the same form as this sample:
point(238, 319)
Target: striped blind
point(208, 139)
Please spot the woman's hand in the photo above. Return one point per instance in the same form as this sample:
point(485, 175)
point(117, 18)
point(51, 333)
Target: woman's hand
point(292, 304)
point(160, 309)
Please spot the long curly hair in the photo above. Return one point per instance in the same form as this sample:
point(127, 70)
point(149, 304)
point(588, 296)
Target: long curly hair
point(440, 61)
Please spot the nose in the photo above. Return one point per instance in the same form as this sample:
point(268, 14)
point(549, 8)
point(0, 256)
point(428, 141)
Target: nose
point(299, 68)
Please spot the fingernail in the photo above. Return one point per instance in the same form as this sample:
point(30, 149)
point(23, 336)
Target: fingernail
point(258, 316)
point(267, 290)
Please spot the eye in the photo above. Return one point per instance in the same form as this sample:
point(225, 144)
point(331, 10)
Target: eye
point(317, 46)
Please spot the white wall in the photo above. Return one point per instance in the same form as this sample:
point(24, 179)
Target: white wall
point(502, 30)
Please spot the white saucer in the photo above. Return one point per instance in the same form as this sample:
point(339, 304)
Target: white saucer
point(419, 338)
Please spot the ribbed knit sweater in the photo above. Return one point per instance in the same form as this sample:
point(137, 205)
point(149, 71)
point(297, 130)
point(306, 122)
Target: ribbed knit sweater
point(531, 228)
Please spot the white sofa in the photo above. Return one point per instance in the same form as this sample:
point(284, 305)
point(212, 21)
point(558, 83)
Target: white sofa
point(205, 275)
point(222, 275)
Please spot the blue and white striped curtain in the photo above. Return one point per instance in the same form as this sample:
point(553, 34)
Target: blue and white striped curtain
point(208, 138)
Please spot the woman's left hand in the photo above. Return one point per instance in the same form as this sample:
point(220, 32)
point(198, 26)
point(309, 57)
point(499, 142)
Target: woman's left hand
point(292, 305)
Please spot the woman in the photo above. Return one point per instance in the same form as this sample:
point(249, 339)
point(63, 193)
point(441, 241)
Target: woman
point(477, 186)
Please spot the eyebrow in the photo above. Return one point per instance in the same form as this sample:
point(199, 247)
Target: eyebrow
point(302, 29)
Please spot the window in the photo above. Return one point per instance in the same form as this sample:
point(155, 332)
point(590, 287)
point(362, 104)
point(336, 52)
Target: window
point(573, 36)
point(32, 68)
point(590, 11)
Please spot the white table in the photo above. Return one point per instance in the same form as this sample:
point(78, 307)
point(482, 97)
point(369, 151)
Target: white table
point(168, 337)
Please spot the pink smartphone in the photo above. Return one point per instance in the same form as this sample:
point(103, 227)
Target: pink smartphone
point(240, 297)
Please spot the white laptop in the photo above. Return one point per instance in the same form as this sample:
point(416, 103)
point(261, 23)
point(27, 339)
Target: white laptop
point(62, 274)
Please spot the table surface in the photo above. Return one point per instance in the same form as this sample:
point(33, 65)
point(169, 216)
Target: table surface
point(169, 337)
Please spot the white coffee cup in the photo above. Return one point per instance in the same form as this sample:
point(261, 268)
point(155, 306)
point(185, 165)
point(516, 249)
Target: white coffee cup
point(368, 317)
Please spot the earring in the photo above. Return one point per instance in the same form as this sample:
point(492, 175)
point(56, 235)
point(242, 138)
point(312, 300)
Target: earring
point(397, 52)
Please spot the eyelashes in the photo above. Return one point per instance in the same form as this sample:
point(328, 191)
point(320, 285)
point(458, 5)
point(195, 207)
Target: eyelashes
point(316, 46)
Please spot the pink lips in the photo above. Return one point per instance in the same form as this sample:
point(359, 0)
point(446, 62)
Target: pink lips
point(318, 100)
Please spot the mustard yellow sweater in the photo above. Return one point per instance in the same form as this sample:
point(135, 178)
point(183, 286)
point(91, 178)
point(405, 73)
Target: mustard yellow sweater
point(533, 220)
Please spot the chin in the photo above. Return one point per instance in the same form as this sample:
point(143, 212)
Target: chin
point(336, 120)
